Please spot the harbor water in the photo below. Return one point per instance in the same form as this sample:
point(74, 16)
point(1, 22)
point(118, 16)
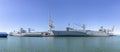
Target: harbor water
point(60, 44)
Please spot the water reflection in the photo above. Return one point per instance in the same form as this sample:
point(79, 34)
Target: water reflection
point(60, 44)
point(85, 44)
point(3, 43)
point(28, 44)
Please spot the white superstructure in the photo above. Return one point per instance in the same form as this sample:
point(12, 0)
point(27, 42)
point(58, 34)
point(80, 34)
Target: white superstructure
point(23, 32)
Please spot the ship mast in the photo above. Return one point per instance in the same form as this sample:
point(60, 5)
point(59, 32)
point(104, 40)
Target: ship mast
point(51, 25)
point(113, 28)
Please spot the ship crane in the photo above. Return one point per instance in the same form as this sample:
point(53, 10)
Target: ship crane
point(82, 26)
point(112, 30)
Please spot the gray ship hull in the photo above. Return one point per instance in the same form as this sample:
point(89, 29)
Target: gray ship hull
point(80, 33)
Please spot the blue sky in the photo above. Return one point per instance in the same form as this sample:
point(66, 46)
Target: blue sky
point(35, 13)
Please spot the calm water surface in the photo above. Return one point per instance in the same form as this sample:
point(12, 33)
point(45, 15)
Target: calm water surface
point(60, 44)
